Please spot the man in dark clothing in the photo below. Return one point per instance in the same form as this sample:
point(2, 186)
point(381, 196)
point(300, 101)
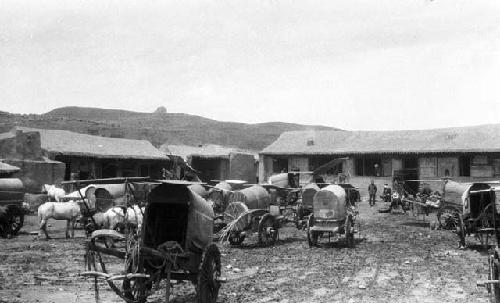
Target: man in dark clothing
point(372, 190)
point(386, 193)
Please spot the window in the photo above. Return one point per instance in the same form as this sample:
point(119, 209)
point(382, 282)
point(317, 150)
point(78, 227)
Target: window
point(464, 166)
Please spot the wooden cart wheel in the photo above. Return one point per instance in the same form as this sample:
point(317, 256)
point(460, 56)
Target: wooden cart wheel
point(236, 238)
point(312, 236)
point(493, 289)
point(207, 286)
point(268, 230)
point(448, 218)
point(349, 232)
point(135, 290)
point(16, 221)
point(132, 290)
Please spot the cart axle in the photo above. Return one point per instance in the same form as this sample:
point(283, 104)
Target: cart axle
point(109, 277)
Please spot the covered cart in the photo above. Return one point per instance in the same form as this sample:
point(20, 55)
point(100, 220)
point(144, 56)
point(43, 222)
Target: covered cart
point(175, 243)
point(479, 213)
point(447, 204)
point(11, 206)
point(305, 205)
point(332, 215)
point(220, 193)
point(250, 209)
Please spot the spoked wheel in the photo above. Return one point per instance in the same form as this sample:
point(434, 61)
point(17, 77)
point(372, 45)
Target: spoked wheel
point(268, 230)
point(448, 218)
point(349, 232)
point(132, 289)
point(493, 289)
point(236, 238)
point(312, 236)
point(135, 290)
point(16, 221)
point(208, 284)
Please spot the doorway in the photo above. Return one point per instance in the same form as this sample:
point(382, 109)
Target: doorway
point(409, 174)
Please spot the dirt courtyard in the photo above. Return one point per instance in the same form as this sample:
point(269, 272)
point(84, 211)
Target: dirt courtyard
point(397, 258)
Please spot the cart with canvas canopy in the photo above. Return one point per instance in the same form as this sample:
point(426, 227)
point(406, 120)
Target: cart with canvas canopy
point(332, 215)
point(175, 242)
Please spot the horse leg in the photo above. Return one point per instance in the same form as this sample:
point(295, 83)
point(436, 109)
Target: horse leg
point(43, 227)
point(67, 228)
point(73, 221)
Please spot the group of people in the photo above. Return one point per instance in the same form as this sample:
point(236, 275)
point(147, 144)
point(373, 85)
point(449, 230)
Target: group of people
point(387, 193)
point(396, 195)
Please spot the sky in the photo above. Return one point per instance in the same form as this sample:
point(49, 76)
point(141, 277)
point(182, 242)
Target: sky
point(352, 64)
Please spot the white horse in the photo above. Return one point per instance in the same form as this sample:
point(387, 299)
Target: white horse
point(53, 192)
point(68, 211)
point(117, 218)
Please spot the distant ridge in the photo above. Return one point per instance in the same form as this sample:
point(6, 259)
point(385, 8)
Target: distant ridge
point(169, 128)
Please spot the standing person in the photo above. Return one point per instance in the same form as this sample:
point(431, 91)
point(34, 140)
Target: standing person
point(372, 190)
point(386, 193)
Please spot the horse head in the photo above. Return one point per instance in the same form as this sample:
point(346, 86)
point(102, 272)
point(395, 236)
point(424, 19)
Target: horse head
point(45, 188)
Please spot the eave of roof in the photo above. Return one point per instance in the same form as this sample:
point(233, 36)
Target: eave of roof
point(385, 152)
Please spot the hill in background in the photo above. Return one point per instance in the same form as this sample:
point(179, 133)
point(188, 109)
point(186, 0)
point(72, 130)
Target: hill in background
point(158, 127)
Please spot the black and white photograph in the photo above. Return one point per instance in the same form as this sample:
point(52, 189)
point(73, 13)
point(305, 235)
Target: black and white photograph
point(254, 151)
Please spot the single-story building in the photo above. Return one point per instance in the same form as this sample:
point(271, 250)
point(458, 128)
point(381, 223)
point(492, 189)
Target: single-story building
point(79, 156)
point(23, 150)
point(462, 154)
point(215, 162)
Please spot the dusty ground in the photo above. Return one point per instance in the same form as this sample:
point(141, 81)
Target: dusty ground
point(397, 258)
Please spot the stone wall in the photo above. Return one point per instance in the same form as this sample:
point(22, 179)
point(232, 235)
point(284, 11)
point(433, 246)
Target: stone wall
point(36, 173)
point(242, 167)
point(21, 145)
point(23, 149)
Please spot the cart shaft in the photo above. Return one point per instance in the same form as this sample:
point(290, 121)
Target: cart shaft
point(483, 283)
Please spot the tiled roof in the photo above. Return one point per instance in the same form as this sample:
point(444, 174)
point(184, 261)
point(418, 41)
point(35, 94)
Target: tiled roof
point(76, 144)
point(484, 138)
